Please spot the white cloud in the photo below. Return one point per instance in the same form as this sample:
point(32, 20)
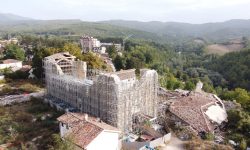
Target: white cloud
point(145, 10)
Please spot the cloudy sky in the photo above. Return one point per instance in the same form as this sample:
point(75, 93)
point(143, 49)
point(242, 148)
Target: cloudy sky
point(191, 11)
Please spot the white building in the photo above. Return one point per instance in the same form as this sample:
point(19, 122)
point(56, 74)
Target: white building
point(88, 133)
point(12, 64)
point(89, 43)
point(93, 44)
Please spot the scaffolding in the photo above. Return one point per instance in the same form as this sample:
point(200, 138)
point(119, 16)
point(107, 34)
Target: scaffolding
point(102, 94)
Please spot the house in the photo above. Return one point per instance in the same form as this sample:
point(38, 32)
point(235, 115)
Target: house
point(203, 112)
point(11, 63)
point(88, 133)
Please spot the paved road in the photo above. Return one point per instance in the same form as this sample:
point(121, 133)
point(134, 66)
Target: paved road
point(10, 99)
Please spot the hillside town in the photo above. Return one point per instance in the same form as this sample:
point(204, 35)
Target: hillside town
point(125, 109)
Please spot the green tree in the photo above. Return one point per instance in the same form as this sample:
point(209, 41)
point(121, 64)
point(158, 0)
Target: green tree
point(189, 85)
point(73, 49)
point(13, 51)
point(59, 144)
point(112, 51)
point(119, 62)
point(243, 144)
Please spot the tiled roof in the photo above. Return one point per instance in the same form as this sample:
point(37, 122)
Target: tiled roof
point(84, 128)
point(84, 133)
point(191, 110)
point(9, 61)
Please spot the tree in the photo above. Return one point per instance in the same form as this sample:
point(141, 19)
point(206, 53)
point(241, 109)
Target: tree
point(112, 51)
point(119, 62)
point(189, 85)
point(243, 144)
point(73, 49)
point(59, 144)
point(13, 51)
point(37, 61)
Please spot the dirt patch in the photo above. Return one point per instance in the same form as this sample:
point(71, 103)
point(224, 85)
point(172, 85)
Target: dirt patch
point(222, 49)
point(30, 122)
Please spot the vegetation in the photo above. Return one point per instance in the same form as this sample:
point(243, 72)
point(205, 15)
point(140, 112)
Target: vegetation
point(52, 46)
point(20, 86)
point(234, 67)
point(13, 51)
point(199, 144)
point(28, 129)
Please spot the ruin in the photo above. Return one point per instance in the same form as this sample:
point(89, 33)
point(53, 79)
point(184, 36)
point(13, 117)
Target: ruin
point(113, 97)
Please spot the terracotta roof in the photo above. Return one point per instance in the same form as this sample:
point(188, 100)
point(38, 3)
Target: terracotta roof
point(191, 110)
point(84, 133)
point(9, 61)
point(84, 128)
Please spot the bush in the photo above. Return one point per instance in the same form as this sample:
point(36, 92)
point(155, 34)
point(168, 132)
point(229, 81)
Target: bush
point(6, 89)
point(17, 75)
point(27, 87)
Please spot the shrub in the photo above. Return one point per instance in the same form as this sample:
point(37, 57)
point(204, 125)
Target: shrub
point(17, 75)
point(27, 87)
point(6, 89)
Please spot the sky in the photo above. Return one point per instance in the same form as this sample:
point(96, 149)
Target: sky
point(189, 11)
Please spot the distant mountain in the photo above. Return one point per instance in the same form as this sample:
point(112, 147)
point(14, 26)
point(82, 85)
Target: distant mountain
point(212, 31)
point(7, 17)
point(74, 28)
point(167, 32)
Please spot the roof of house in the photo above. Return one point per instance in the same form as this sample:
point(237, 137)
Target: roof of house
point(10, 61)
point(84, 128)
point(191, 109)
point(84, 133)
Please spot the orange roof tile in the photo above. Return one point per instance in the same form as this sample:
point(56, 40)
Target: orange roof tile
point(191, 110)
point(84, 128)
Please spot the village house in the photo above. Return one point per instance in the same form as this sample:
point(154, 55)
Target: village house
point(203, 112)
point(12, 64)
point(88, 133)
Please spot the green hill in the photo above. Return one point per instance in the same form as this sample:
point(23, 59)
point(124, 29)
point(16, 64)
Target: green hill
point(221, 31)
point(7, 17)
point(74, 28)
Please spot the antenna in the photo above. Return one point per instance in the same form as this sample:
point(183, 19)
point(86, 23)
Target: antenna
point(124, 40)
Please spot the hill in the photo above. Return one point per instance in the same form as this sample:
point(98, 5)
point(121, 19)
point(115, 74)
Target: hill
point(214, 32)
point(73, 28)
point(161, 32)
point(7, 17)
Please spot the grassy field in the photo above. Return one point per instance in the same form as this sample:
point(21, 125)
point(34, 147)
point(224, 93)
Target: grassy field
point(11, 87)
point(29, 125)
point(222, 49)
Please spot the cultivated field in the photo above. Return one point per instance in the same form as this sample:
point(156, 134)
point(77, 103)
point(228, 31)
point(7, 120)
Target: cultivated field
point(222, 49)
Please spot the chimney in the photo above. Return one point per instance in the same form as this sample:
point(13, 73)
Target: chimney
point(86, 117)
